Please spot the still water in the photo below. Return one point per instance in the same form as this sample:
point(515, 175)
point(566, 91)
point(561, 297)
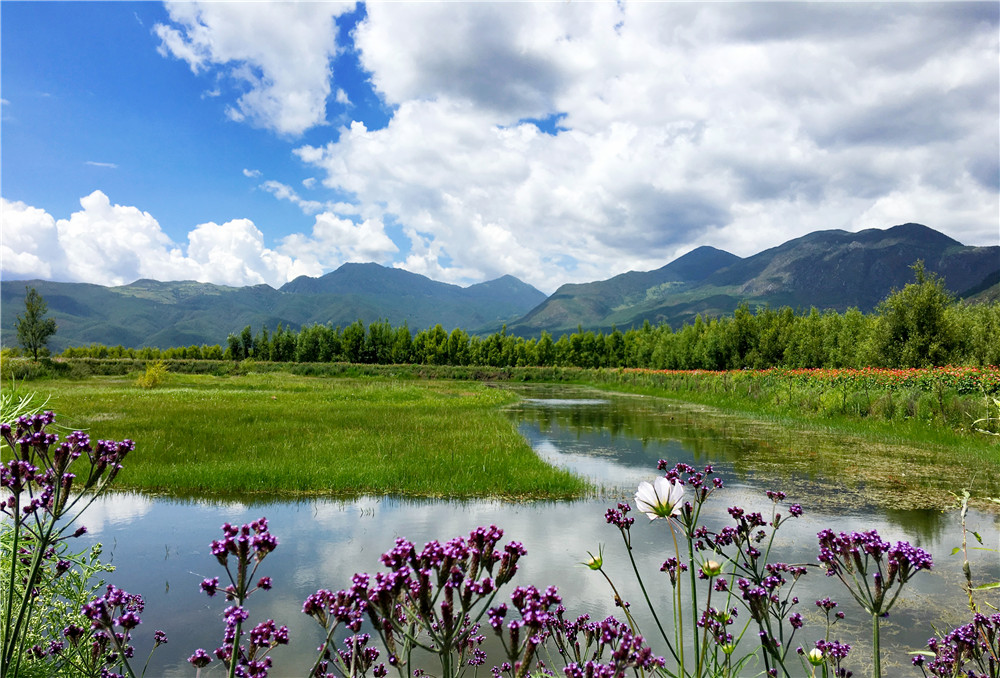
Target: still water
point(161, 546)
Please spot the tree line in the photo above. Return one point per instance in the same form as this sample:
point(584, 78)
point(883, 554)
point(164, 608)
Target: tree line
point(918, 326)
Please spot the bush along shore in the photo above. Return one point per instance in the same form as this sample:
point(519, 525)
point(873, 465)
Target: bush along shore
point(732, 607)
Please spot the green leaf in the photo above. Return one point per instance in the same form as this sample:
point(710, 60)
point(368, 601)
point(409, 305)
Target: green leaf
point(955, 550)
point(987, 587)
point(977, 536)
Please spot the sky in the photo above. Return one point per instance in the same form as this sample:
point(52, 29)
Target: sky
point(558, 142)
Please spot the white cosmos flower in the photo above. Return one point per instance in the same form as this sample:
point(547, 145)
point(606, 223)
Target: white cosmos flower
point(661, 499)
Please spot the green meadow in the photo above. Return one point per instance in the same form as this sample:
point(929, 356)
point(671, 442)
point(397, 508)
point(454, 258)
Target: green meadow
point(278, 433)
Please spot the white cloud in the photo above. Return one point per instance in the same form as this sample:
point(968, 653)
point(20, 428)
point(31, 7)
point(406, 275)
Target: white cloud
point(111, 244)
point(740, 126)
point(109, 165)
point(251, 173)
point(284, 192)
point(278, 54)
point(29, 243)
point(235, 254)
point(336, 240)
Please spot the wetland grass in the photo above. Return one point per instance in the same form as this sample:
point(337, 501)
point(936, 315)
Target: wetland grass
point(282, 434)
point(959, 444)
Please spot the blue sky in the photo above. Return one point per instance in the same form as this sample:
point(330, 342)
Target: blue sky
point(558, 142)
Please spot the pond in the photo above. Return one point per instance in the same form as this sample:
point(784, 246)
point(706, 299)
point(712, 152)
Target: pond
point(161, 546)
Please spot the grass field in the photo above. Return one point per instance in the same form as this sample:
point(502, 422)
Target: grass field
point(282, 434)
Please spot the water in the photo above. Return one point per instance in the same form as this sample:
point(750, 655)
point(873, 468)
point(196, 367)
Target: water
point(161, 546)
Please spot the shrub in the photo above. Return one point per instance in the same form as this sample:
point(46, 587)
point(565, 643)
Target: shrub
point(156, 374)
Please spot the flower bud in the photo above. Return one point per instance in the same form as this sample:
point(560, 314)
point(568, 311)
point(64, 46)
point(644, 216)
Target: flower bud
point(711, 568)
point(815, 656)
point(595, 562)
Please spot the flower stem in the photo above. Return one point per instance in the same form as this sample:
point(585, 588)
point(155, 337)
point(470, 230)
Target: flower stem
point(649, 604)
point(876, 652)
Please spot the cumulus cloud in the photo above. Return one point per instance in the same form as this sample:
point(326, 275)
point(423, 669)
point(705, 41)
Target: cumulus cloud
point(111, 244)
point(278, 54)
point(682, 124)
point(335, 239)
point(30, 244)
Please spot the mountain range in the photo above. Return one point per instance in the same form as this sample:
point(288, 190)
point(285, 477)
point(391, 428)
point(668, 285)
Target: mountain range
point(827, 269)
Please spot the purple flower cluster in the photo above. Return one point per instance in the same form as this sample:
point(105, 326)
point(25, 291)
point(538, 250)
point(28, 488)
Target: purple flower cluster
point(717, 623)
point(521, 637)
point(858, 556)
point(431, 592)
point(673, 568)
point(833, 653)
point(619, 516)
point(625, 651)
point(113, 617)
point(44, 484)
point(602, 649)
point(248, 544)
point(38, 477)
point(243, 542)
point(969, 650)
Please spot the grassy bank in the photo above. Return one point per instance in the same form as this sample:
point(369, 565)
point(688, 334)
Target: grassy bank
point(910, 412)
point(289, 434)
point(435, 430)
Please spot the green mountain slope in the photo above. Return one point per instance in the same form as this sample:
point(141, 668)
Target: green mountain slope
point(827, 269)
point(575, 304)
point(164, 314)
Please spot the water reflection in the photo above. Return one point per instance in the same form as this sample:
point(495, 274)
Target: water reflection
point(161, 545)
point(847, 472)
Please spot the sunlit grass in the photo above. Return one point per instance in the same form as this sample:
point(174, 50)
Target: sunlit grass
point(280, 434)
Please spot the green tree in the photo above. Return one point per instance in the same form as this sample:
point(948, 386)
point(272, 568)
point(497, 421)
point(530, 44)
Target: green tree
point(545, 350)
point(34, 329)
point(402, 345)
point(246, 340)
point(352, 341)
point(913, 327)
